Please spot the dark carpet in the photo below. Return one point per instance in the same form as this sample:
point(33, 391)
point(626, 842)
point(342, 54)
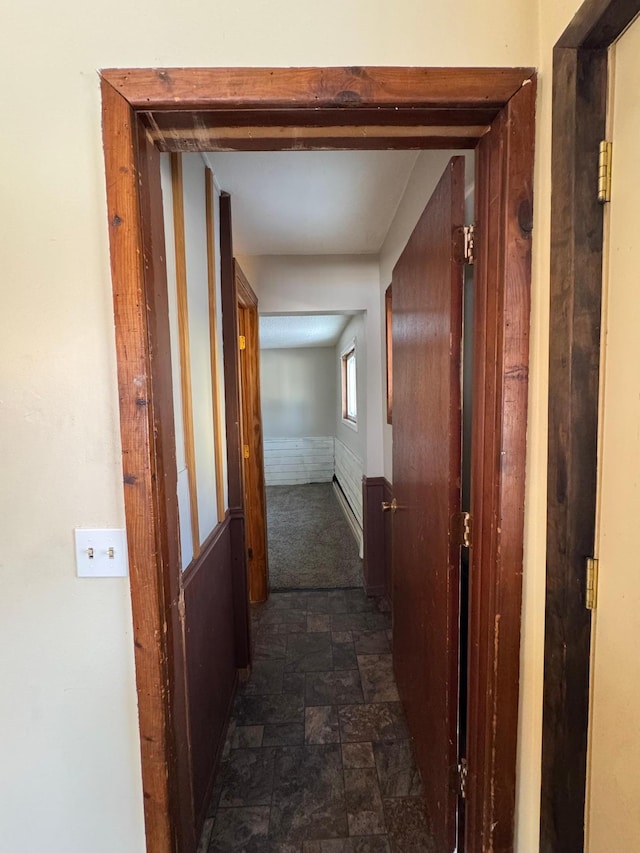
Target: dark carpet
point(310, 543)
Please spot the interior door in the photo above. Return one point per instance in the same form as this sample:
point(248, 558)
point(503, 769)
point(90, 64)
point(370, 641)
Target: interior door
point(255, 510)
point(427, 334)
point(613, 816)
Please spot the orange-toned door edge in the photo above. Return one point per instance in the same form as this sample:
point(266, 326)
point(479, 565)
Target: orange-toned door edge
point(255, 509)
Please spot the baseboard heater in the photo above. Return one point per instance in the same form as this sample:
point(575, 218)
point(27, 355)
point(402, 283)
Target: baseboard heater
point(352, 521)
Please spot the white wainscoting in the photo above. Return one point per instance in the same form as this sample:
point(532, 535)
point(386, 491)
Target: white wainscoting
point(291, 461)
point(349, 471)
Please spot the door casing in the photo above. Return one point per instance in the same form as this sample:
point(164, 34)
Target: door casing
point(580, 82)
point(255, 509)
point(491, 110)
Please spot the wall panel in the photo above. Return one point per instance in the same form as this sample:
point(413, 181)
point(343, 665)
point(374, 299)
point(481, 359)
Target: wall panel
point(291, 461)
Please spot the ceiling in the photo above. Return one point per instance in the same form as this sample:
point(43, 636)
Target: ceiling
point(312, 202)
point(301, 330)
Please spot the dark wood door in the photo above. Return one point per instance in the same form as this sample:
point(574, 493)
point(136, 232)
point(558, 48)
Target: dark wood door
point(427, 335)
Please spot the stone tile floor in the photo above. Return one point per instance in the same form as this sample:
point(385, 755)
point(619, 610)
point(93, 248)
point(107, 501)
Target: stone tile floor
point(318, 757)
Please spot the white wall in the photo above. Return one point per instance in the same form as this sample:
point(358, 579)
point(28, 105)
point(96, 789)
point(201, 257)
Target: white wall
point(70, 751)
point(343, 283)
point(298, 391)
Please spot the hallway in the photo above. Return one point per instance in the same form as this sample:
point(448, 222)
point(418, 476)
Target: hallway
point(318, 757)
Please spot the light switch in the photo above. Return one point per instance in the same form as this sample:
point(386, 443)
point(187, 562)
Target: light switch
point(101, 553)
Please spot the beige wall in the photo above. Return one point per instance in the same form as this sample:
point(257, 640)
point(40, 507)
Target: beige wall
point(68, 714)
point(298, 392)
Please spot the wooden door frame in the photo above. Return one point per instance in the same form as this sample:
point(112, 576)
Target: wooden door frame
point(580, 82)
point(275, 109)
point(255, 510)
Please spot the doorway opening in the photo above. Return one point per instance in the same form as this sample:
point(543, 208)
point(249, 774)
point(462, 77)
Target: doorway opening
point(314, 502)
point(490, 110)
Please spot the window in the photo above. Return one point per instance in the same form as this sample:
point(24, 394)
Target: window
point(349, 392)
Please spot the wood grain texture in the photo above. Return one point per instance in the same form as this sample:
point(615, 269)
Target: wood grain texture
point(255, 504)
point(153, 236)
point(210, 657)
point(184, 345)
point(364, 116)
point(374, 535)
point(216, 391)
point(580, 85)
point(427, 335)
point(152, 89)
point(598, 23)
point(229, 306)
point(388, 543)
point(388, 327)
point(504, 218)
point(579, 107)
point(142, 504)
point(296, 139)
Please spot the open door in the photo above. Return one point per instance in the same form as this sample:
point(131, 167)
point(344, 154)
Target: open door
point(427, 335)
point(255, 510)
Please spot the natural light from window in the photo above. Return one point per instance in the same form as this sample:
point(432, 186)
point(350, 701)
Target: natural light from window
point(349, 393)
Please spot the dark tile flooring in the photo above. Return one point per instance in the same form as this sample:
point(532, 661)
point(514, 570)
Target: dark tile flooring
point(318, 757)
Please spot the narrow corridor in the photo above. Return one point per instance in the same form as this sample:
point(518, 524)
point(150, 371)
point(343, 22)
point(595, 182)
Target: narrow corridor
point(318, 757)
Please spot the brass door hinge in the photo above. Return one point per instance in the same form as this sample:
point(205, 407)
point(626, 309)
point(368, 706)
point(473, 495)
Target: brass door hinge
point(461, 529)
point(246, 451)
point(604, 171)
point(465, 244)
point(242, 342)
point(591, 598)
point(463, 774)
point(469, 232)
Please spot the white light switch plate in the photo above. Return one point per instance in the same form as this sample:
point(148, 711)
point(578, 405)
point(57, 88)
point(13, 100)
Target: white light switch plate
point(101, 553)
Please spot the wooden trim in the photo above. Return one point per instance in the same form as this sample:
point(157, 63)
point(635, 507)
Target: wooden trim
point(229, 305)
point(199, 138)
point(388, 335)
point(598, 23)
point(255, 504)
point(143, 505)
point(244, 292)
point(580, 80)
point(387, 495)
point(214, 343)
point(185, 349)
point(373, 531)
point(153, 236)
point(180, 89)
point(504, 217)
point(336, 96)
point(230, 355)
